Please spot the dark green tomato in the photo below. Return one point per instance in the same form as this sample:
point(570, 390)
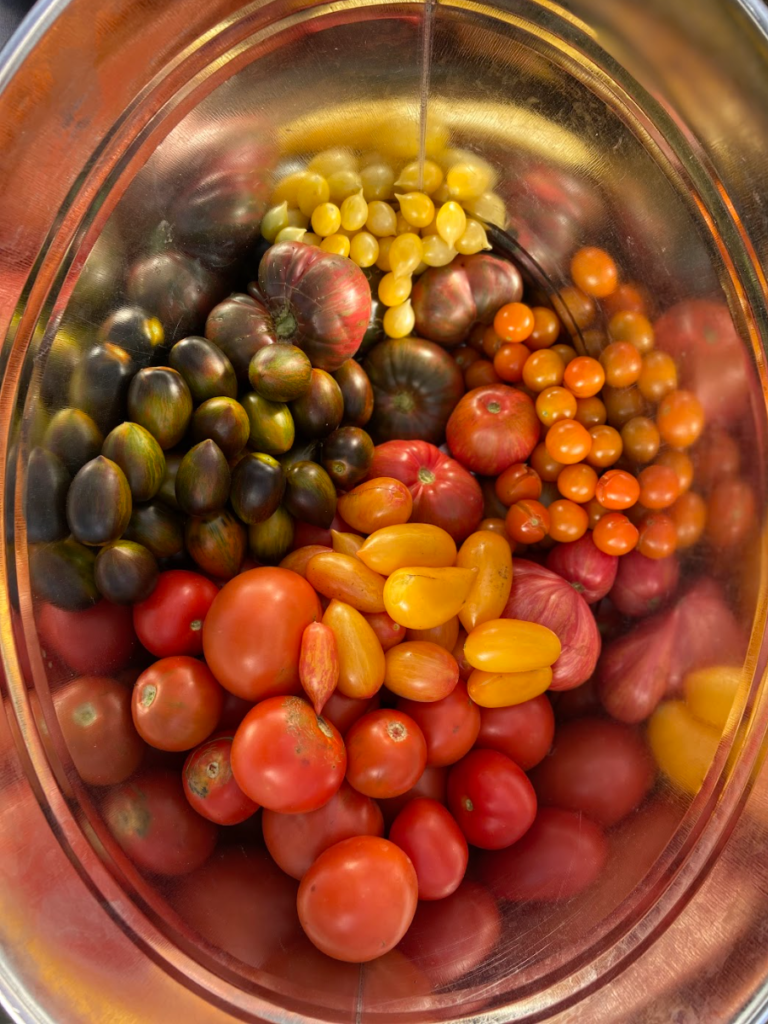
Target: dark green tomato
point(310, 495)
point(62, 574)
point(100, 384)
point(258, 484)
point(224, 421)
point(139, 456)
point(375, 330)
point(347, 456)
point(159, 400)
point(272, 428)
point(205, 368)
point(202, 482)
point(416, 385)
point(157, 528)
point(319, 410)
point(280, 373)
point(217, 543)
point(176, 289)
point(134, 330)
point(61, 362)
point(45, 499)
point(99, 502)
point(240, 326)
point(167, 492)
point(126, 572)
point(356, 391)
point(73, 437)
point(269, 542)
point(301, 451)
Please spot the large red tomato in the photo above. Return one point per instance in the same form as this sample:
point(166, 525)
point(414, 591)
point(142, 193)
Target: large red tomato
point(491, 428)
point(444, 493)
point(252, 633)
point(387, 753)
point(100, 639)
point(427, 832)
point(491, 799)
point(170, 621)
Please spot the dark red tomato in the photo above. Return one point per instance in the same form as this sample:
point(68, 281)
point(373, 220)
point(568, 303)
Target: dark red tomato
point(451, 937)
point(523, 731)
point(444, 493)
point(297, 840)
point(561, 854)
point(155, 826)
point(343, 913)
point(233, 711)
point(304, 534)
point(491, 428)
point(450, 725)
point(491, 799)
point(176, 703)
point(431, 784)
point(252, 633)
point(210, 786)
point(427, 832)
point(387, 753)
point(97, 640)
point(286, 758)
point(589, 570)
point(343, 711)
point(596, 766)
point(170, 621)
point(94, 713)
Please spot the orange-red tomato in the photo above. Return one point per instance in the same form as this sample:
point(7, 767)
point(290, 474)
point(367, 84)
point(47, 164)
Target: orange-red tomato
point(527, 522)
point(419, 670)
point(584, 376)
point(480, 373)
point(659, 487)
point(680, 419)
point(386, 629)
point(543, 369)
point(375, 503)
point(555, 404)
point(681, 464)
point(176, 703)
point(450, 725)
point(617, 489)
point(546, 328)
point(614, 534)
point(298, 560)
point(658, 376)
point(568, 442)
point(607, 446)
point(689, 514)
point(514, 322)
point(509, 362)
point(318, 664)
point(657, 537)
point(517, 483)
point(491, 342)
point(622, 364)
point(567, 521)
point(426, 831)
point(386, 753)
point(594, 272)
point(577, 483)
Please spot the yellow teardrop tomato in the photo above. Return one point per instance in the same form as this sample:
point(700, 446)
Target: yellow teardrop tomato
point(491, 555)
point(361, 659)
point(710, 692)
point(421, 598)
point(682, 745)
point(503, 689)
point(418, 670)
point(345, 578)
point(376, 503)
point(444, 636)
point(346, 543)
point(510, 645)
point(395, 547)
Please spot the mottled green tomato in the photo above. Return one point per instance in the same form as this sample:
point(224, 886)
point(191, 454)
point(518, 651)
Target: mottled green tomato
point(202, 482)
point(301, 451)
point(125, 572)
point(160, 400)
point(269, 542)
point(310, 495)
point(99, 502)
point(62, 574)
point(133, 329)
point(100, 383)
point(224, 421)
point(319, 410)
point(347, 456)
point(158, 528)
point(206, 369)
point(257, 489)
point(356, 391)
point(73, 437)
point(167, 492)
point(272, 428)
point(280, 373)
point(240, 326)
point(217, 543)
point(139, 456)
point(45, 498)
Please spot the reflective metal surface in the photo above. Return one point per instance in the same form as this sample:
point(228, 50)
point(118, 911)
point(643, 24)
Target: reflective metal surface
point(139, 143)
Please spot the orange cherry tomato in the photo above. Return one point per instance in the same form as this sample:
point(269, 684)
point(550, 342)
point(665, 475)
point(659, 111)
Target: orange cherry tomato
point(658, 376)
point(594, 272)
point(376, 503)
point(628, 298)
point(543, 369)
point(689, 514)
point(491, 342)
point(614, 534)
point(514, 322)
point(732, 512)
point(509, 362)
point(640, 439)
point(516, 483)
point(616, 489)
point(347, 579)
point(464, 356)
point(590, 412)
point(479, 374)
point(299, 559)
point(546, 328)
point(511, 645)
point(632, 325)
point(577, 483)
point(584, 376)
point(595, 511)
point(680, 419)
point(527, 522)
point(418, 670)
point(572, 305)
point(555, 404)
point(566, 352)
point(568, 442)
point(493, 525)
point(657, 536)
point(567, 521)
point(715, 457)
point(544, 464)
point(681, 464)
point(607, 446)
point(659, 487)
point(491, 557)
point(622, 364)
point(622, 404)
point(421, 598)
point(445, 635)
point(361, 659)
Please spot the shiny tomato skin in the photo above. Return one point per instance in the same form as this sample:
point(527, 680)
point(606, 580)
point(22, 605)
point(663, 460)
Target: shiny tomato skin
point(431, 784)
point(176, 703)
point(210, 786)
point(450, 725)
point(252, 633)
point(491, 799)
point(523, 732)
point(491, 428)
point(427, 832)
point(358, 899)
point(295, 841)
point(387, 753)
point(343, 711)
point(97, 641)
point(170, 620)
point(287, 759)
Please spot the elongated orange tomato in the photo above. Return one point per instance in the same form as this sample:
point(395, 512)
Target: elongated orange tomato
point(376, 503)
point(299, 559)
point(503, 689)
point(444, 636)
point(318, 664)
point(361, 659)
point(491, 555)
point(422, 598)
point(511, 645)
point(346, 578)
point(346, 543)
point(418, 670)
point(395, 547)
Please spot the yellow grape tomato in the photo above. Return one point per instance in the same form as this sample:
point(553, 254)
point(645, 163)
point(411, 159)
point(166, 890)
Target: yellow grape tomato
point(421, 598)
point(491, 555)
point(682, 745)
point(510, 645)
point(394, 547)
point(710, 692)
point(503, 689)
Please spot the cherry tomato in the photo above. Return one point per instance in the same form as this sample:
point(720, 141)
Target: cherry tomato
point(523, 732)
point(480, 373)
point(732, 512)
point(514, 322)
point(630, 324)
point(547, 467)
point(383, 501)
point(345, 915)
point(97, 640)
point(428, 834)
point(343, 711)
point(590, 412)
point(577, 483)
point(286, 758)
point(640, 439)
point(546, 328)
point(298, 559)
point(509, 362)
point(584, 376)
point(614, 534)
point(170, 620)
point(568, 442)
point(297, 840)
point(210, 786)
point(450, 726)
point(622, 364)
point(386, 753)
point(659, 487)
point(555, 404)
point(621, 404)
point(543, 369)
point(617, 490)
point(432, 784)
point(388, 632)
point(491, 342)
point(657, 536)
point(658, 376)
point(689, 514)
point(681, 463)
point(527, 522)
point(567, 521)
point(566, 352)
point(176, 703)
point(574, 305)
point(252, 633)
point(594, 272)
point(628, 298)
point(680, 419)
point(517, 483)
point(715, 457)
point(491, 799)
point(464, 356)
point(607, 446)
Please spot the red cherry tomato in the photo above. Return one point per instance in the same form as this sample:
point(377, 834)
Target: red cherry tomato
point(432, 784)
point(297, 840)
point(450, 725)
point(491, 799)
point(286, 758)
point(427, 832)
point(97, 640)
point(343, 913)
point(170, 621)
point(523, 732)
point(210, 786)
point(343, 711)
point(389, 632)
point(176, 703)
point(387, 753)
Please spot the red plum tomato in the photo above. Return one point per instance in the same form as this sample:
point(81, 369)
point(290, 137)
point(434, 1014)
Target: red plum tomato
point(428, 833)
point(96, 640)
point(170, 620)
point(450, 725)
point(491, 799)
point(387, 753)
point(523, 732)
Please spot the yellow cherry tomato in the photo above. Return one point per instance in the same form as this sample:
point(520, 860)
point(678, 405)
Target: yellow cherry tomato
point(510, 645)
point(503, 689)
point(347, 579)
point(420, 597)
point(710, 692)
point(346, 543)
point(491, 555)
point(682, 745)
point(361, 658)
point(394, 547)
